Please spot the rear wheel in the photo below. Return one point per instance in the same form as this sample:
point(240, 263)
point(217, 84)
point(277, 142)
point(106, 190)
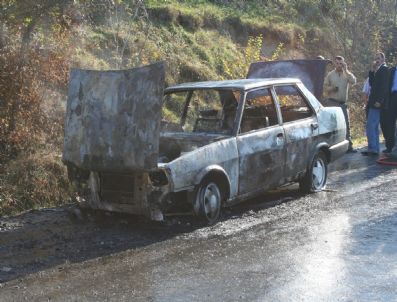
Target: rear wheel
point(208, 201)
point(315, 178)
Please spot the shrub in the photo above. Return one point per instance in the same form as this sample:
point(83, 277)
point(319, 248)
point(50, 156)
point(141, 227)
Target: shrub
point(251, 53)
point(33, 181)
point(24, 84)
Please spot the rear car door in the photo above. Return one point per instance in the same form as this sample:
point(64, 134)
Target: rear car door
point(300, 127)
point(260, 143)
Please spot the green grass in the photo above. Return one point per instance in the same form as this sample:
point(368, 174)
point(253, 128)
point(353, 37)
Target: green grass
point(250, 12)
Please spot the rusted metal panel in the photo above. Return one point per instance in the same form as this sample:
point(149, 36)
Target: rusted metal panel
point(136, 204)
point(117, 187)
point(310, 72)
point(113, 119)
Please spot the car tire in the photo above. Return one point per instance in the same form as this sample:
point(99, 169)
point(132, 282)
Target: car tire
point(315, 178)
point(208, 202)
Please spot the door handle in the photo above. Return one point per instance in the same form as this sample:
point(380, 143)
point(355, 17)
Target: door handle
point(280, 139)
point(314, 126)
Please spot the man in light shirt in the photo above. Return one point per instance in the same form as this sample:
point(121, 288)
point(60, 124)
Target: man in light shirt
point(336, 87)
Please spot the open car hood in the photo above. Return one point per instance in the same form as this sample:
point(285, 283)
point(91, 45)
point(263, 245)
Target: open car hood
point(113, 118)
point(310, 72)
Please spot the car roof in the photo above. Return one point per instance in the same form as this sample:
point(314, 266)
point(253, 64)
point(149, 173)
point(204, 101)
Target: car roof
point(241, 84)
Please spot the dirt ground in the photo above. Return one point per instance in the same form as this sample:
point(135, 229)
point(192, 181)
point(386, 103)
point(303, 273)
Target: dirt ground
point(41, 239)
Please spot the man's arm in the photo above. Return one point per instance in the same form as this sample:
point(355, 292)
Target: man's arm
point(351, 79)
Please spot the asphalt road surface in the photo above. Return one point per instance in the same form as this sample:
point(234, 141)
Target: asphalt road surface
point(337, 245)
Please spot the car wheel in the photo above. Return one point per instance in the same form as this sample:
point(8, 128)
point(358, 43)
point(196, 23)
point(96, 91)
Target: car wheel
point(315, 178)
point(208, 201)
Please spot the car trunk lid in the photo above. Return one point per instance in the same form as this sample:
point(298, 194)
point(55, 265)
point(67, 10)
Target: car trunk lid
point(310, 72)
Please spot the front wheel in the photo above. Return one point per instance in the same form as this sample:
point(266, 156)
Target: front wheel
point(208, 201)
point(315, 178)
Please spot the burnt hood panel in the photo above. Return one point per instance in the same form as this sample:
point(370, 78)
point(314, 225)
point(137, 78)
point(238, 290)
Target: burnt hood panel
point(113, 118)
point(310, 72)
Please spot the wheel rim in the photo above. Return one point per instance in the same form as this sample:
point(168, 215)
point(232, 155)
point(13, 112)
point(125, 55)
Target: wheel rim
point(211, 200)
point(319, 173)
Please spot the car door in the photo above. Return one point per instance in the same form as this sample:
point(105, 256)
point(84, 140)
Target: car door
point(260, 143)
point(300, 127)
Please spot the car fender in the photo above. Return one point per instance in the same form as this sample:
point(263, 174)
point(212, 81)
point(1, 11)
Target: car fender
point(210, 169)
point(323, 146)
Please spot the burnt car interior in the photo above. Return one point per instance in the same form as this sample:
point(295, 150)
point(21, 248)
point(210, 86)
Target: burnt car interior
point(203, 110)
point(195, 118)
point(213, 111)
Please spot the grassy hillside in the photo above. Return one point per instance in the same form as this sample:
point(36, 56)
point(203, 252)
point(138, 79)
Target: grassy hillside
point(199, 40)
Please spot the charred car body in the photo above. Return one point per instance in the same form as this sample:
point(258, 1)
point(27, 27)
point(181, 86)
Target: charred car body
point(131, 146)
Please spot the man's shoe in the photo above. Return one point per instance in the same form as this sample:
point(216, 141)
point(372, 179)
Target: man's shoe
point(386, 151)
point(351, 150)
point(368, 153)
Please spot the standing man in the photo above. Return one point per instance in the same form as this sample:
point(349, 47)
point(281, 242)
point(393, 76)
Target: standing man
point(336, 87)
point(391, 113)
point(379, 82)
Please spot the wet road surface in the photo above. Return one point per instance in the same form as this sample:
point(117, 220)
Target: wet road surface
point(337, 245)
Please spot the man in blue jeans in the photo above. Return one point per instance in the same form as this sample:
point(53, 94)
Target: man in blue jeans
point(378, 98)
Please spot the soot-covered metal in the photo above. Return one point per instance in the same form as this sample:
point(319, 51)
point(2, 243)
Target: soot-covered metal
point(220, 142)
point(113, 118)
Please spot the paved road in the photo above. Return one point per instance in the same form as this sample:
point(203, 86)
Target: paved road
point(337, 245)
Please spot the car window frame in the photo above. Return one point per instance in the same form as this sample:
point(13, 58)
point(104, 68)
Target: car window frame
point(188, 99)
point(242, 102)
point(314, 111)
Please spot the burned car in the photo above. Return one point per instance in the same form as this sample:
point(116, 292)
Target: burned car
point(132, 146)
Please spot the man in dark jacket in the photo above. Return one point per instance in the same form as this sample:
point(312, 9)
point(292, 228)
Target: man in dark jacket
point(378, 100)
point(389, 124)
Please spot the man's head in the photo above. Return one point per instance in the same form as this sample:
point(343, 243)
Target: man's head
point(339, 63)
point(379, 58)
